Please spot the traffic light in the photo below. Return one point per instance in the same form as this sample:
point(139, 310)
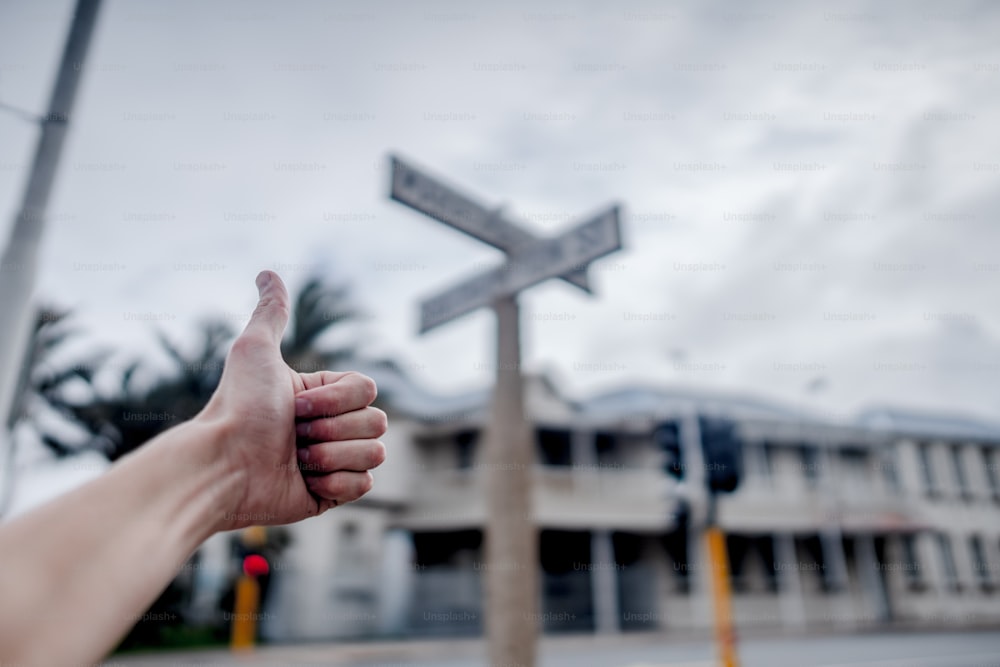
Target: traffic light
point(251, 586)
point(722, 453)
point(255, 565)
point(667, 438)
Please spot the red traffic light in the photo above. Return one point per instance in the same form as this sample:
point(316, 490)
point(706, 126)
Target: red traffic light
point(255, 565)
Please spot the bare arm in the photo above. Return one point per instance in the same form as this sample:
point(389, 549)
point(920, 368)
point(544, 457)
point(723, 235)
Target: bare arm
point(77, 573)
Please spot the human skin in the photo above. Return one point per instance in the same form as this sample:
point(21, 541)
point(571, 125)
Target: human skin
point(78, 572)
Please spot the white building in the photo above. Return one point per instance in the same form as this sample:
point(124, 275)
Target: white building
point(892, 520)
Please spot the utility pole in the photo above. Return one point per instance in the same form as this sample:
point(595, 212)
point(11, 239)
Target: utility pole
point(718, 563)
point(723, 461)
point(511, 543)
point(511, 552)
point(20, 257)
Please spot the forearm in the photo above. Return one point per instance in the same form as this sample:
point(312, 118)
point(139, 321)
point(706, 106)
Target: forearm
point(77, 573)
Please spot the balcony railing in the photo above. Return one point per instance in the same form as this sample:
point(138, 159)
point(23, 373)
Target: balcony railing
point(563, 496)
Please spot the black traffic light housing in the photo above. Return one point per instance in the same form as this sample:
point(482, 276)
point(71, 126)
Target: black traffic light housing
point(667, 438)
point(723, 455)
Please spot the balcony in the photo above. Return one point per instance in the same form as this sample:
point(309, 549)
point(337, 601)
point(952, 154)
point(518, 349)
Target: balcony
point(784, 508)
point(564, 497)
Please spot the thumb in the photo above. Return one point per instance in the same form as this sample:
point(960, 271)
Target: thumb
point(271, 315)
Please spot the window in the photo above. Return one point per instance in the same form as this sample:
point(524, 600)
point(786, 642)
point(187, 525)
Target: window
point(350, 549)
point(854, 464)
point(926, 469)
point(760, 457)
point(910, 564)
point(554, 447)
point(961, 481)
point(980, 567)
point(609, 451)
point(890, 472)
point(767, 460)
point(737, 548)
point(675, 544)
point(990, 466)
point(812, 547)
point(465, 449)
point(948, 562)
point(752, 564)
point(811, 464)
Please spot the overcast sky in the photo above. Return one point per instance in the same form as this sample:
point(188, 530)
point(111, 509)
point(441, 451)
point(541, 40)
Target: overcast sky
point(810, 193)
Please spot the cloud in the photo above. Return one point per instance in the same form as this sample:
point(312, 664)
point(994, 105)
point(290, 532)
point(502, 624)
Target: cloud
point(786, 171)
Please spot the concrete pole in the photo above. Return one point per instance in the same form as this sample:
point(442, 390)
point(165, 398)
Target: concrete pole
point(512, 616)
point(695, 485)
point(604, 583)
point(793, 611)
point(20, 257)
point(871, 577)
point(832, 539)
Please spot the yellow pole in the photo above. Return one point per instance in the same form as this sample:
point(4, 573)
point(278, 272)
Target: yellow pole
point(245, 614)
point(725, 637)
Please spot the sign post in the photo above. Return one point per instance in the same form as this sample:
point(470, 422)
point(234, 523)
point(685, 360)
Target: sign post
point(718, 563)
point(511, 552)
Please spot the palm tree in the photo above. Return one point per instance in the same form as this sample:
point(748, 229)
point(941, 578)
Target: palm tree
point(131, 415)
point(117, 421)
point(44, 383)
point(318, 308)
point(42, 393)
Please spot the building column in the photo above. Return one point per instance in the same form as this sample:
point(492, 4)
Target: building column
point(398, 581)
point(832, 539)
point(793, 611)
point(871, 578)
point(604, 582)
point(699, 580)
point(834, 558)
point(929, 556)
point(699, 573)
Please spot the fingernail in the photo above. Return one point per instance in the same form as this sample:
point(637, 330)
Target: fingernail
point(263, 280)
point(303, 429)
point(303, 454)
point(303, 406)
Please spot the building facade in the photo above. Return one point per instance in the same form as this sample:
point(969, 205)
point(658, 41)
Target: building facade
point(891, 520)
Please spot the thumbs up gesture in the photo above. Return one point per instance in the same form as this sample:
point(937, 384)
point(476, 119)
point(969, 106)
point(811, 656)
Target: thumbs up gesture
point(295, 444)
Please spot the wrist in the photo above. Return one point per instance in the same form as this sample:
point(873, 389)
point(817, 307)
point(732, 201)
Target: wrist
point(208, 487)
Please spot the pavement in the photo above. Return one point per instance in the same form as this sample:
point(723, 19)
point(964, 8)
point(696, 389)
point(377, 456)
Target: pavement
point(898, 649)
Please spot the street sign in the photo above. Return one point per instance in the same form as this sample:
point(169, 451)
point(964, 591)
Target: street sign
point(548, 258)
point(444, 203)
point(512, 593)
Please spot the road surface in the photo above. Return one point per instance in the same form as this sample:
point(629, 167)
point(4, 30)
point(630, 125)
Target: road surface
point(904, 649)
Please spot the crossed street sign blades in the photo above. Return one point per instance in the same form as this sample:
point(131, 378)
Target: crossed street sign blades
point(530, 259)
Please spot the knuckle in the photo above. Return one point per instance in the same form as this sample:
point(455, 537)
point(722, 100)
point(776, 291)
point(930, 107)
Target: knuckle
point(334, 485)
point(248, 343)
point(319, 458)
point(271, 301)
point(323, 429)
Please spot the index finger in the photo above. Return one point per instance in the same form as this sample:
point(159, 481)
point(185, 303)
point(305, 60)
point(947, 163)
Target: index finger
point(335, 394)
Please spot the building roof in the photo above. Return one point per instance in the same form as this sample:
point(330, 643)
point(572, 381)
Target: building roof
point(407, 397)
point(929, 424)
point(655, 401)
point(398, 390)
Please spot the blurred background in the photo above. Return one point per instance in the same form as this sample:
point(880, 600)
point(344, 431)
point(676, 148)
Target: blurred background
point(809, 217)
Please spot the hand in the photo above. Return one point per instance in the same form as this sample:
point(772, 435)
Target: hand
point(271, 418)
